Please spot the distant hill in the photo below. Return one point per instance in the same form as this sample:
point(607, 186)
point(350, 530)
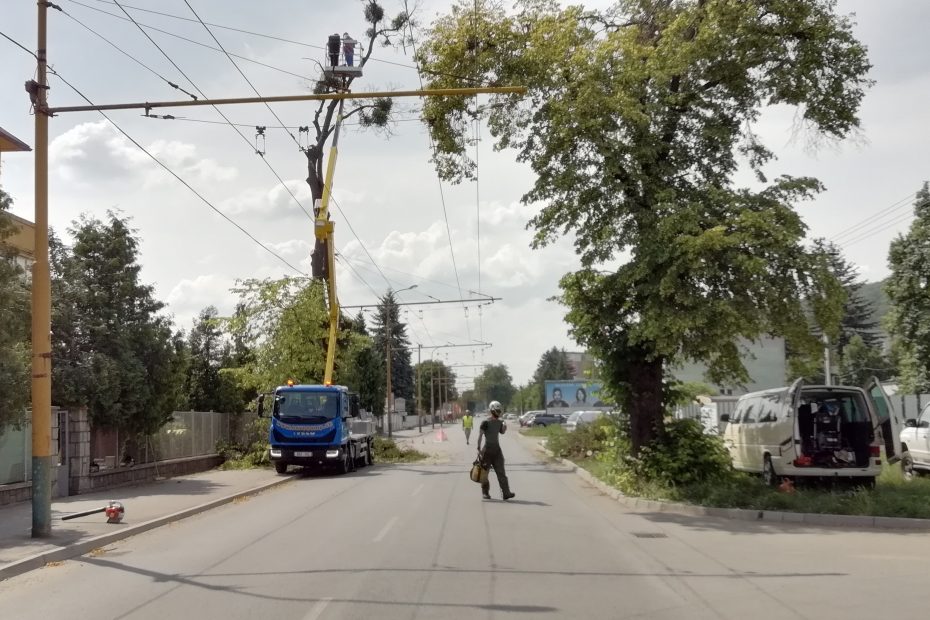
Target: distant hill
point(874, 293)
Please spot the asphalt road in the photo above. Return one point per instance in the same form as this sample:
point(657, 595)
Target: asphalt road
point(417, 541)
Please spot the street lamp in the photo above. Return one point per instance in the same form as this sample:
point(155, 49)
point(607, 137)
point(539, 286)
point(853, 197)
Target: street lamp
point(387, 338)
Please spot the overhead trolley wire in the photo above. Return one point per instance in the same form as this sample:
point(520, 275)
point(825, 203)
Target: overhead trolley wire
point(256, 34)
point(881, 214)
point(176, 176)
point(244, 76)
point(442, 196)
point(128, 55)
point(192, 41)
point(220, 112)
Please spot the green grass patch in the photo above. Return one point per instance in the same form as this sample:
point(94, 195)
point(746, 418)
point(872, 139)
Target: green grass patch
point(543, 431)
point(694, 468)
point(387, 451)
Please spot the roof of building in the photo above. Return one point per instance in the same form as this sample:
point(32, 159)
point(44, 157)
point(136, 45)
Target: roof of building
point(9, 142)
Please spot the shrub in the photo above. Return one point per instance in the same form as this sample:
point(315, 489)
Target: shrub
point(250, 449)
point(586, 441)
point(686, 456)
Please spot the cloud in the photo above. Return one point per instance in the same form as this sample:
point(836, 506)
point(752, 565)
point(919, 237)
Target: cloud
point(275, 202)
point(190, 296)
point(94, 153)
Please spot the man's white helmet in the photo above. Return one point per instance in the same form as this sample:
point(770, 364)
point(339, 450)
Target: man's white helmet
point(494, 406)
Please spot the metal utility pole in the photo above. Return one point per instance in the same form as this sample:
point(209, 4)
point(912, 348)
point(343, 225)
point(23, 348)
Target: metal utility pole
point(41, 280)
point(826, 361)
point(387, 337)
point(41, 303)
point(387, 344)
point(419, 405)
point(432, 400)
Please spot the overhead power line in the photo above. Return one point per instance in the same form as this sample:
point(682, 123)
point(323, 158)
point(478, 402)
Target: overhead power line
point(255, 34)
point(192, 41)
point(127, 54)
point(442, 196)
point(178, 177)
point(873, 219)
point(220, 112)
point(242, 73)
point(883, 227)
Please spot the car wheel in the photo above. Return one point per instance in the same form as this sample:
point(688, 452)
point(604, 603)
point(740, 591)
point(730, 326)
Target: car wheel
point(768, 472)
point(907, 465)
point(280, 467)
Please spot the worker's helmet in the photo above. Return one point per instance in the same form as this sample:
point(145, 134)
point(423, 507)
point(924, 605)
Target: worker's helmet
point(495, 407)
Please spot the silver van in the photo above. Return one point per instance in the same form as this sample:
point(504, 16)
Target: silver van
point(814, 431)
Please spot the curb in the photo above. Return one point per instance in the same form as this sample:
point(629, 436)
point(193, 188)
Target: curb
point(80, 548)
point(742, 514)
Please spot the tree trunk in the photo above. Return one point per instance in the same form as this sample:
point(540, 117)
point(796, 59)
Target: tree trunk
point(319, 266)
point(644, 403)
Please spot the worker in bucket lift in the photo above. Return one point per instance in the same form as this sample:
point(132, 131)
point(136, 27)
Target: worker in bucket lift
point(332, 47)
point(348, 48)
point(492, 456)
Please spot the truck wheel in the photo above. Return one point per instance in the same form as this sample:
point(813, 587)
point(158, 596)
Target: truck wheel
point(280, 467)
point(344, 465)
point(360, 459)
point(352, 453)
point(768, 472)
point(369, 454)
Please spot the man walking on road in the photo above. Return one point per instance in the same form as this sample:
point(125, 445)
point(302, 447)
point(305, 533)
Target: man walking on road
point(468, 423)
point(492, 456)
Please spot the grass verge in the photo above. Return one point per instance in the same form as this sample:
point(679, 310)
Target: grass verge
point(387, 451)
point(893, 495)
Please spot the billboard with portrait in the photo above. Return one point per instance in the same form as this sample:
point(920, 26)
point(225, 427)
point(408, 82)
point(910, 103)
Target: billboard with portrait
point(568, 396)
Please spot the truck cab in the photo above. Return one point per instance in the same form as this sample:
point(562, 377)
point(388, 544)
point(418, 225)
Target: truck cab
point(312, 426)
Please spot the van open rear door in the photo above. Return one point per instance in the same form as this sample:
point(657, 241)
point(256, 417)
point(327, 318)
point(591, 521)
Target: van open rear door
point(889, 422)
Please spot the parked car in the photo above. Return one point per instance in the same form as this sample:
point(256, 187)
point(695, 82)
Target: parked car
point(814, 431)
point(510, 417)
point(578, 418)
point(526, 417)
point(915, 443)
point(546, 419)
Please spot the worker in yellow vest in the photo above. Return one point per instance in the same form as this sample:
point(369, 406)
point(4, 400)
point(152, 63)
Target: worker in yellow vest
point(468, 423)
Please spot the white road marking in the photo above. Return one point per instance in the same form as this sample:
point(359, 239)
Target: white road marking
point(416, 491)
point(385, 530)
point(318, 609)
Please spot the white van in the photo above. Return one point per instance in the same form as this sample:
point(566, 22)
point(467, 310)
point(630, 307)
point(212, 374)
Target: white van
point(578, 418)
point(814, 431)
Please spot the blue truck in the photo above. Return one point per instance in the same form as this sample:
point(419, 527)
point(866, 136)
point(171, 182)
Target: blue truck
point(317, 427)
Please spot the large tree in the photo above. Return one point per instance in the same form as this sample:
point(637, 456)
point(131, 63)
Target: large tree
point(374, 113)
point(495, 383)
point(635, 123)
point(15, 358)
point(858, 312)
point(909, 294)
point(553, 366)
point(401, 368)
point(441, 377)
point(208, 387)
point(114, 351)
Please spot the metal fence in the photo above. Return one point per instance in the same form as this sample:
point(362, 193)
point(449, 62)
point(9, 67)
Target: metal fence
point(15, 454)
point(187, 434)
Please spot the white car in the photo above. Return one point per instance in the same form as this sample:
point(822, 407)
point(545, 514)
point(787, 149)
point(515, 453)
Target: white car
point(578, 418)
point(915, 442)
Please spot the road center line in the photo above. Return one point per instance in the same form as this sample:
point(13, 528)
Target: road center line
point(416, 491)
point(318, 609)
point(385, 530)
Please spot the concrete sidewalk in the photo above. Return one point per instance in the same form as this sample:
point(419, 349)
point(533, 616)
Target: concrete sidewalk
point(147, 506)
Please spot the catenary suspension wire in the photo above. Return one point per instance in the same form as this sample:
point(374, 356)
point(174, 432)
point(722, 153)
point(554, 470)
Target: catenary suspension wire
point(192, 41)
point(257, 34)
point(220, 112)
point(873, 219)
point(128, 55)
point(239, 69)
point(178, 177)
point(445, 211)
